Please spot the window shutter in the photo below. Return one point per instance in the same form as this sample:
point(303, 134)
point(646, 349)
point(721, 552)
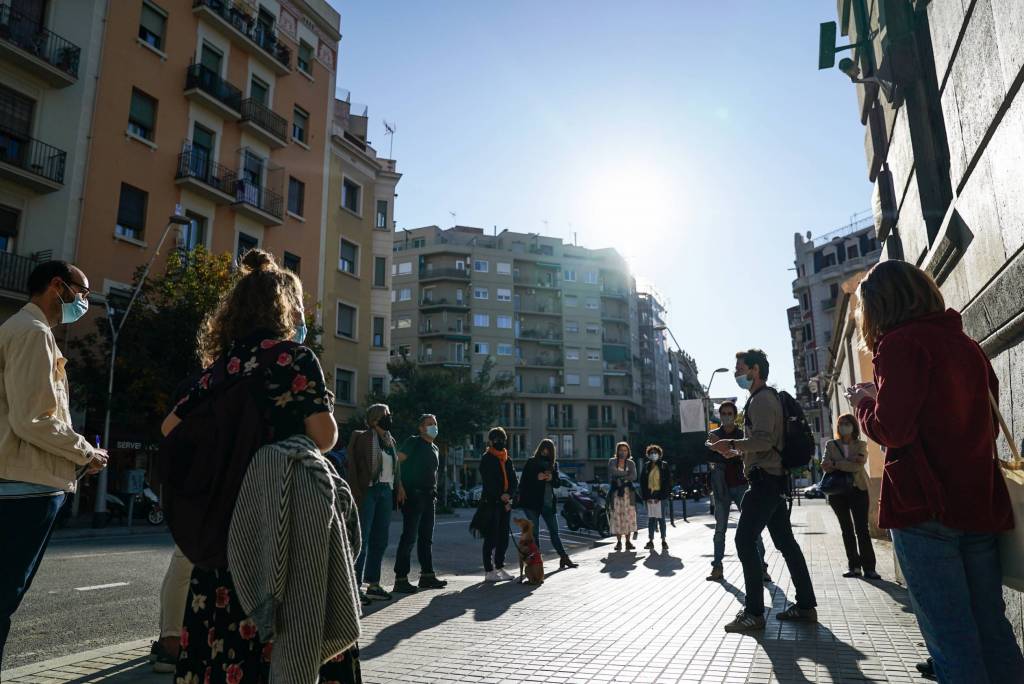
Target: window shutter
point(131, 211)
point(152, 20)
point(143, 110)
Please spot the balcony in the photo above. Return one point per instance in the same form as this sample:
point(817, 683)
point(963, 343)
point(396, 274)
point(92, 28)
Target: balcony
point(618, 317)
point(617, 341)
point(828, 304)
point(564, 424)
point(535, 281)
point(30, 162)
point(204, 86)
point(452, 333)
point(264, 123)
point(259, 203)
point(441, 360)
point(543, 389)
point(610, 292)
point(541, 362)
point(540, 309)
point(196, 171)
point(459, 274)
point(36, 49)
point(617, 368)
point(14, 271)
point(236, 20)
point(430, 304)
point(595, 424)
point(618, 392)
point(540, 336)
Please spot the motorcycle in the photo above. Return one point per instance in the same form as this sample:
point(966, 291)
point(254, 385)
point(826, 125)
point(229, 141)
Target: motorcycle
point(147, 505)
point(587, 511)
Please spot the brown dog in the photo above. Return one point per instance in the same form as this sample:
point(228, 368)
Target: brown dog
point(531, 564)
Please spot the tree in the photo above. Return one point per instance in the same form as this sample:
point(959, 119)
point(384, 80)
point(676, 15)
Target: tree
point(684, 450)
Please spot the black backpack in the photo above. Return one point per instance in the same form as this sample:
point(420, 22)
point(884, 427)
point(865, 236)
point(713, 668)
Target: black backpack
point(798, 439)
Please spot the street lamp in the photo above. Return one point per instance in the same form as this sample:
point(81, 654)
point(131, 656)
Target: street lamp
point(99, 518)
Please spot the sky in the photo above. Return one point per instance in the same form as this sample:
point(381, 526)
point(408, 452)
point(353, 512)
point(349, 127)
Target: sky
point(694, 136)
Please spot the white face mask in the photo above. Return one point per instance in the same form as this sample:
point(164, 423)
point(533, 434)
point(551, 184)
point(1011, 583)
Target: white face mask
point(655, 457)
point(845, 430)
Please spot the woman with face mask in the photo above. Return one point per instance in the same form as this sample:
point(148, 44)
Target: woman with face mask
point(848, 453)
point(655, 487)
point(498, 477)
point(537, 496)
point(621, 497)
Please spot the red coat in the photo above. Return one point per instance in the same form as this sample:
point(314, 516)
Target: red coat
point(933, 415)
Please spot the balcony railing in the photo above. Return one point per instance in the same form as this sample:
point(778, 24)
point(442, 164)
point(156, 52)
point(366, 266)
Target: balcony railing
point(542, 361)
point(264, 199)
point(595, 424)
point(34, 156)
point(535, 281)
point(437, 358)
point(456, 273)
point(540, 335)
point(265, 118)
point(203, 78)
point(549, 309)
point(30, 36)
point(239, 16)
point(193, 163)
point(542, 389)
point(14, 272)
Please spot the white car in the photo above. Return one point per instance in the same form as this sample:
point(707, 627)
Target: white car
point(566, 486)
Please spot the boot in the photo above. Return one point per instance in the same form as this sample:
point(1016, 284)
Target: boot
point(566, 562)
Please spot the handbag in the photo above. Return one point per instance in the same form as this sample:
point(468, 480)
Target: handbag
point(836, 482)
point(1011, 543)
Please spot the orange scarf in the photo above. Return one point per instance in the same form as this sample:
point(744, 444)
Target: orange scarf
point(502, 457)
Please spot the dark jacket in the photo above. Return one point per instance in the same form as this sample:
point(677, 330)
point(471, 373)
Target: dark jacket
point(531, 490)
point(359, 457)
point(493, 483)
point(662, 492)
point(934, 416)
point(731, 468)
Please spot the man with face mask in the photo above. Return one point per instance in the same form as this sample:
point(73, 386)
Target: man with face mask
point(42, 458)
point(764, 503)
point(417, 490)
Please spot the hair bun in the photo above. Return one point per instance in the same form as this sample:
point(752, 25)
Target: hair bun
point(258, 260)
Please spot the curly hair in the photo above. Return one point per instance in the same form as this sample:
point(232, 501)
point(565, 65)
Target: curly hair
point(266, 297)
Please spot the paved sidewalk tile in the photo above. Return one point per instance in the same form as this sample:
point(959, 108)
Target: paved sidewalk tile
point(621, 617)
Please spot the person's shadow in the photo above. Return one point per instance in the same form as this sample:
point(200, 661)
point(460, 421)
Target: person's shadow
point(664, 564)
point(618, 564)
point(799, 651)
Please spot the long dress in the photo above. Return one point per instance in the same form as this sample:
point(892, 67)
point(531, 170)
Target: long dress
point(622, 514)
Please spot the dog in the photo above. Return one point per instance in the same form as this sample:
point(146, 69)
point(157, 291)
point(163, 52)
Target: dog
point(531, 563)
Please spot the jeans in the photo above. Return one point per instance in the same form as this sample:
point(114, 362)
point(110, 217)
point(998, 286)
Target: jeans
point(418, 531)
point(375, 522)
point(174, 593)
point(548, 514)
point(496, 539)
point(24, 534)
point(723, 504)
point(852, 510)
point(956, 586)
point(657, 523)
point(764, 505)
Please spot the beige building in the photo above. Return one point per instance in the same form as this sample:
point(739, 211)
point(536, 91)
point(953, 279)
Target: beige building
point(559, 319)
point(357, 262)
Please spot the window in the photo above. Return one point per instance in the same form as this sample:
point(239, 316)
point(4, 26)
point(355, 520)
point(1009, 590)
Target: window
point(481, 348)
point(460, 297)
point(569, 276)
point(131, 212)
point(460, 265)
point(292, 262)
point(344, 386)
point(380, 271)
point(481, 265)
point(590, 277)
point(806, 302)
point(852, 252)
point(504, 349)
point(503, 294)
point(346, 321)
point(382, 215)
point(245, 243)
point(211, 58)
point(480, 293)
point(594, 380)
point(203, 144)
point(552, 415)
point(405, 294)
point(403, 350)
point(259, 91)
point(305, 58)
point(833, 290)
point(504, 321)
point(377, 385)
point(481, 320)
point(9, 217)
point(571, 300)
point(296, 196)
point(194, 234)
point(593, 329)
point(348, 257)
point(593, 354)
point(142, 115)
point(591, 303)
point(572, 379)
point(405, 268)
point(300, 122)
point(572, 353)
point(350, 195)
point(504, 268)
point(572, 326)
point(152, 24)
point(404, 322)
point(394, 296)
point(568, 446)
point(378, 331)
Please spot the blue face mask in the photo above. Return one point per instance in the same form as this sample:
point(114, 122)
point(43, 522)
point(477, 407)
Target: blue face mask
point(744, 381)
point(299, 336)
point(73, 310)
point(432, 431)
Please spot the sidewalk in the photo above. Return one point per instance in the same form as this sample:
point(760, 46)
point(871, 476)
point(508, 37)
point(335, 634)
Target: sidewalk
point(644, 617)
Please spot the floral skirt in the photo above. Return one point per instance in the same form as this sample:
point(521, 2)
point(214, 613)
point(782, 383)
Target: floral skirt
point(220, 644)
point(622, 517)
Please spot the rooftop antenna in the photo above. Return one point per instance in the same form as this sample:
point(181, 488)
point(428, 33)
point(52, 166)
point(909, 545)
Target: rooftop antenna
point(455, 220)
point(389, 130)
point(545, 222)
point(573, 235)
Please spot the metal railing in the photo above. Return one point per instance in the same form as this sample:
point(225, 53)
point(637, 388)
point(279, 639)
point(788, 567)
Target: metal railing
point(594, 423)
point(203, 78)
point(551, 309)
point(239, 15)
point(534, 281)
point(34, 156)
point(539, 335)
point(541, 389)
point(34, 38)
point(437, 358)
point(542, 361)
point(265, 118)
point(257, 196)
point(14, 271)
point(459, 273)
point(197, 164)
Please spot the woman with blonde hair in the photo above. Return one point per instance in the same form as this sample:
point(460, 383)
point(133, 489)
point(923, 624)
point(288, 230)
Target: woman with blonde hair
point(621, 497)
point(845, 456)
point(942, 496)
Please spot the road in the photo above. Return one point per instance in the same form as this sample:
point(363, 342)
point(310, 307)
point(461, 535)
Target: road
point(96, 592)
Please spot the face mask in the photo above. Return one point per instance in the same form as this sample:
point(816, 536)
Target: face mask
point(655, 457)
point(744, 381)
point(299, 336)
point(845, 429)
point(385, 422)
point(622, 454)
point(549, 456)
point(432, 431)
point(499, 444)
point(73, 310)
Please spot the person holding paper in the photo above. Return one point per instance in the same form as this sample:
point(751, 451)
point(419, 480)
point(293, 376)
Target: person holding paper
point(655, 488)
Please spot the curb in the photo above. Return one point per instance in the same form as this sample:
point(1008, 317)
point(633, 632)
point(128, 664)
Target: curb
point(56, 663)
point(106, 532)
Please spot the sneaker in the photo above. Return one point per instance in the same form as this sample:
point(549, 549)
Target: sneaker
point(871, 575)
point(649, 544)
point(492, 576)
point(431, 582)
point(364, 599)
point(795, 614)
point(927, 669)
point(402, 586)
point(716, 574)
point(852, 572)
point(745, 623)
point(664, 545)
point(503, 574)
point(163, 662)
point(765, 577)
point(377, 593)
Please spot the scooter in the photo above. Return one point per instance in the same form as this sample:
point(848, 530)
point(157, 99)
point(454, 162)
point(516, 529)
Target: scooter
point(147, 505)
point(587, 511)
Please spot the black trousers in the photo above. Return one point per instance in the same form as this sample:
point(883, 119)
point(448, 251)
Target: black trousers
point(418, 531)
point(852, 510)
point(496, 539)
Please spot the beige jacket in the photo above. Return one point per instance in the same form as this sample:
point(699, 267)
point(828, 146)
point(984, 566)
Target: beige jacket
point(854, 464)
point(764, 433)
point(37, 441)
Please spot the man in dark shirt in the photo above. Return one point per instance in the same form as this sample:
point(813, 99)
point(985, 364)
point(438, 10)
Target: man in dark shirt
point(727, 487)
point(416, 494)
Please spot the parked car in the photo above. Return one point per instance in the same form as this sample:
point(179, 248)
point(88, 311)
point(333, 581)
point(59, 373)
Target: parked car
point(567, 486)
point(812, 492)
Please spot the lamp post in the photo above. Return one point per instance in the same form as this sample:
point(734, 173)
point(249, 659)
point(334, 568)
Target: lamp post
point(99, 517)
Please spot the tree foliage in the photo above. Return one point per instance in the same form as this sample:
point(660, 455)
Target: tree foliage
point(684, 450)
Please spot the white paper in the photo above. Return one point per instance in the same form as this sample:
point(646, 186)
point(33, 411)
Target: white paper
point(692, 416)
point(653, 509)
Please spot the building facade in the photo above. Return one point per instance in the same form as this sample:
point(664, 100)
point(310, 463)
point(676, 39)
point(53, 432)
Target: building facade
point(684, 383)
point(655, 383)
point(945, 152)
point(823, 264)
point(559, 319)
point(357, 262)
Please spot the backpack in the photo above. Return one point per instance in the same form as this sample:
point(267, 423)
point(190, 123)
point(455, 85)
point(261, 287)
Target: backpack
point(798, 439)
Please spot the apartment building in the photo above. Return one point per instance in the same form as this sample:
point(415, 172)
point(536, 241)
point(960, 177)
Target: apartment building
point(823, 264)
point(49, 55)
point(357, 262)
point(559, 319)
point(655, 380)
point(221, 108)
point(684, 383)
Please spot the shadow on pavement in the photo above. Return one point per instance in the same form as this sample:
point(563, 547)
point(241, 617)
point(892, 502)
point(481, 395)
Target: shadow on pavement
point(897, 592)
point(665, 564)
point(618, 564)
point(793, 647)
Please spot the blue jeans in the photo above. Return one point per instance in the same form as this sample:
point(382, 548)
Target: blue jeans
point(956, 587)
point(551, 521)
point(375, 520)
point(24, 534)
point(723, 504)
